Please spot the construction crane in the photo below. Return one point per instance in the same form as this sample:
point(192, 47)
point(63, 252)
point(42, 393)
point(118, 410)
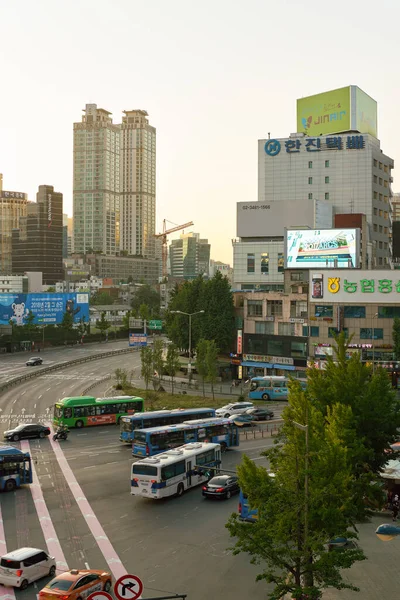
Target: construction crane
point(163, 236)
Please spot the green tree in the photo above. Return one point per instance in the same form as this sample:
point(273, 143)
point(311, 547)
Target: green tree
point(212, 364)
point(201, 361)
point(308, 502)
point(125, 320)
point(148, 296)
point(219, 322)
point(375, 414)
point(146, 357)
point(82, 328)
point(144, 312)
point(101, 299)
point(172, 363)
point(396, 337)
point(102, 324)
point(158, 361)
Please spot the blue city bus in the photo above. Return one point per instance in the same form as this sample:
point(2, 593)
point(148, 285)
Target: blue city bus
point(245, 512)
point(148, 442)
point(15, 468)
point(160, 418)
point(271, 387)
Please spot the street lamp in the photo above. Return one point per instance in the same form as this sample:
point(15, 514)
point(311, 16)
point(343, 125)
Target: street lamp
point(373, 343)
point(305, 429)
point(190, 315)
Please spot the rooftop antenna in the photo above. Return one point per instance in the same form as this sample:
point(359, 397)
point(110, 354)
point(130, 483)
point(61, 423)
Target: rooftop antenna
point(269, 135)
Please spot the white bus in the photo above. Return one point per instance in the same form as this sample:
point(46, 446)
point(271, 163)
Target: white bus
point(174, 471)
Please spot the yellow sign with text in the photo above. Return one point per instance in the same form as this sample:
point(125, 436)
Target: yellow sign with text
point(324, 113)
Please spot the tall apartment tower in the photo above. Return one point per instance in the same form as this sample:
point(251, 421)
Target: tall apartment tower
point(96, 197)
point(13, 206)
point(37, 245)
point(138, 184)
point(189, 256)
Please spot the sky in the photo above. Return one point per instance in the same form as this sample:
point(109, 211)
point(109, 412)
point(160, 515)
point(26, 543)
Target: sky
point(215, 76)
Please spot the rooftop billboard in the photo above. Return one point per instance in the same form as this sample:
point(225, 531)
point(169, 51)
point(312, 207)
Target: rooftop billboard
point(344, 109)
point(322, 248)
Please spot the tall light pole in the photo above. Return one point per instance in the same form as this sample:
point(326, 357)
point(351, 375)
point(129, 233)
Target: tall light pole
point(190, 315)
point(305, 429)
point(373, 343)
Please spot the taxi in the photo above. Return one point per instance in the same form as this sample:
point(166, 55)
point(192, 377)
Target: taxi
point(76, 585)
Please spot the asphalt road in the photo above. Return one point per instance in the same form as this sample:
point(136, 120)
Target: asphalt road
point(174, 545)
point(13, 365)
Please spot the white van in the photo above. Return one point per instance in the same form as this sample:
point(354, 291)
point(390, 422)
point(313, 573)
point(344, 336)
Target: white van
point(23, 566)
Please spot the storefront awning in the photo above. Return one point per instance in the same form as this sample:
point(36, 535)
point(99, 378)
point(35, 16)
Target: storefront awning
point(261, 365)
point(285, 367)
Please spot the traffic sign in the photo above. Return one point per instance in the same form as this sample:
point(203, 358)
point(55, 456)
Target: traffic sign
point(135, 323)
point(155, 324)
point(128, 587)
point(100, 596)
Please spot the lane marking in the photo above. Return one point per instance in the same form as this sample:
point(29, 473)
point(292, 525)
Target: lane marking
point(106, 548)
point(91, 467)
point(48, 389)
point(34, 406)
point(40, 396)
point(87, 566)
point(49, 533)
point(24, 392)
point(5, 592)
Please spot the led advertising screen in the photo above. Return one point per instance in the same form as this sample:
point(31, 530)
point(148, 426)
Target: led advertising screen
point(47, 309)
point(322, 248)
point(324, 113)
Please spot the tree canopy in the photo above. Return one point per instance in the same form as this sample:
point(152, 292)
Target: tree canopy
point(214, 297)
point(146, 295)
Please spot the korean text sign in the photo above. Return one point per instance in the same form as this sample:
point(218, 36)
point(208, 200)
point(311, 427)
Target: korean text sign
point(355, 286)
point(47, 309)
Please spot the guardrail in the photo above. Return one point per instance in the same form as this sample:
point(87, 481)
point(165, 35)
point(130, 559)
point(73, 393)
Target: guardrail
point(256, 434)
point(97, 382)
point(76, 361)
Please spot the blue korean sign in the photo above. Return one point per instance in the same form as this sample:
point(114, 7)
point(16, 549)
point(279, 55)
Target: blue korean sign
point(47, 308)
point(293, 146)
point(137, 339)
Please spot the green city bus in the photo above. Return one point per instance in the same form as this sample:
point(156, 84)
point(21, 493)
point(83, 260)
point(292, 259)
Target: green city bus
point(87, 411)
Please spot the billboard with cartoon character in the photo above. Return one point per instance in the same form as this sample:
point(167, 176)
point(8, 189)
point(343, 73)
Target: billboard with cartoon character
point(47, 309)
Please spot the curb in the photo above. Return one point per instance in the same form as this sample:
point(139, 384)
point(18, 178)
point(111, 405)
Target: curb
point(76, 361)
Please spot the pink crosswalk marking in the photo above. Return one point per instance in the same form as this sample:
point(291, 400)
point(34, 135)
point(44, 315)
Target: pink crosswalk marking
point(6, 593)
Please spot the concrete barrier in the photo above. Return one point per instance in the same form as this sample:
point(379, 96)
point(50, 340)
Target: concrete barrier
point(95, 383)
point(76, 361)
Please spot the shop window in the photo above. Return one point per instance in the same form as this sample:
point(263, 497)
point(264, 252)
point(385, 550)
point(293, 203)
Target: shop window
point(281, 262)
point(275, 347)
point(323, 310)
point(286, 329)
point(367, 333)
point(274, 308)
point(251, 263)
point(265, 327)
point(354, 312)
point(264, 263)
point(298, 350)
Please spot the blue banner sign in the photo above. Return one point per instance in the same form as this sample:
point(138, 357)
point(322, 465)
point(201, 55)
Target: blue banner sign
point(47, 308)
point(138, 339)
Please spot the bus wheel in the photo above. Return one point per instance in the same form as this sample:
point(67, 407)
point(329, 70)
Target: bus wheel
point(265, 397)
point(79, 424)
point(10, 485)
point(223, 447)
point(180, 490)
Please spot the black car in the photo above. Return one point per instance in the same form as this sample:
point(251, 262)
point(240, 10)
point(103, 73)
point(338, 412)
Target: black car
point(35, 360)
point(260, 414)
point(221, 486)
point(27, 431)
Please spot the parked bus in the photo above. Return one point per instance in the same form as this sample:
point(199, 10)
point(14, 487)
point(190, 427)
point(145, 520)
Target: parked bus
point(271, 387)
point(87, 411)
point(148, 442)
point(15, 468)
point(174, 471)
point(160, 417)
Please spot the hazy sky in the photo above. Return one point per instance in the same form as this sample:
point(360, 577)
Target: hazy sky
point(214, 76)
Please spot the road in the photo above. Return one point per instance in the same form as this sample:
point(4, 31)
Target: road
point(13, 365)
point(174, 545)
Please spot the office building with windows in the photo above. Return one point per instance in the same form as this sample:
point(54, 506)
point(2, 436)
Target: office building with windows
point(189, 256)
point(38, 243)
point(13, 206)
point(96, 183)
point(348, 170)
point(138, 184)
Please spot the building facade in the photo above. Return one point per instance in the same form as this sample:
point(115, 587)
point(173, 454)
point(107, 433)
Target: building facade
point(348, 170)
point(138, 184)
point(141, 270)
point(189, 256)
point(96, 183)
point(13, 206)
point(38, 243)
point(14, 284)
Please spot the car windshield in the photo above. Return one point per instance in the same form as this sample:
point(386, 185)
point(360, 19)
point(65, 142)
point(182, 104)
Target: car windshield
point(59, 584)
point(218, 481)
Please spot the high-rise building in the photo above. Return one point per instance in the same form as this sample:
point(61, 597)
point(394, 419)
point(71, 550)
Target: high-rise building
point(37, 245)
point(189, 256)
point(13, 206)
point(396, 206)
point(65, 235)
point(138, 184)
point(96, 184)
